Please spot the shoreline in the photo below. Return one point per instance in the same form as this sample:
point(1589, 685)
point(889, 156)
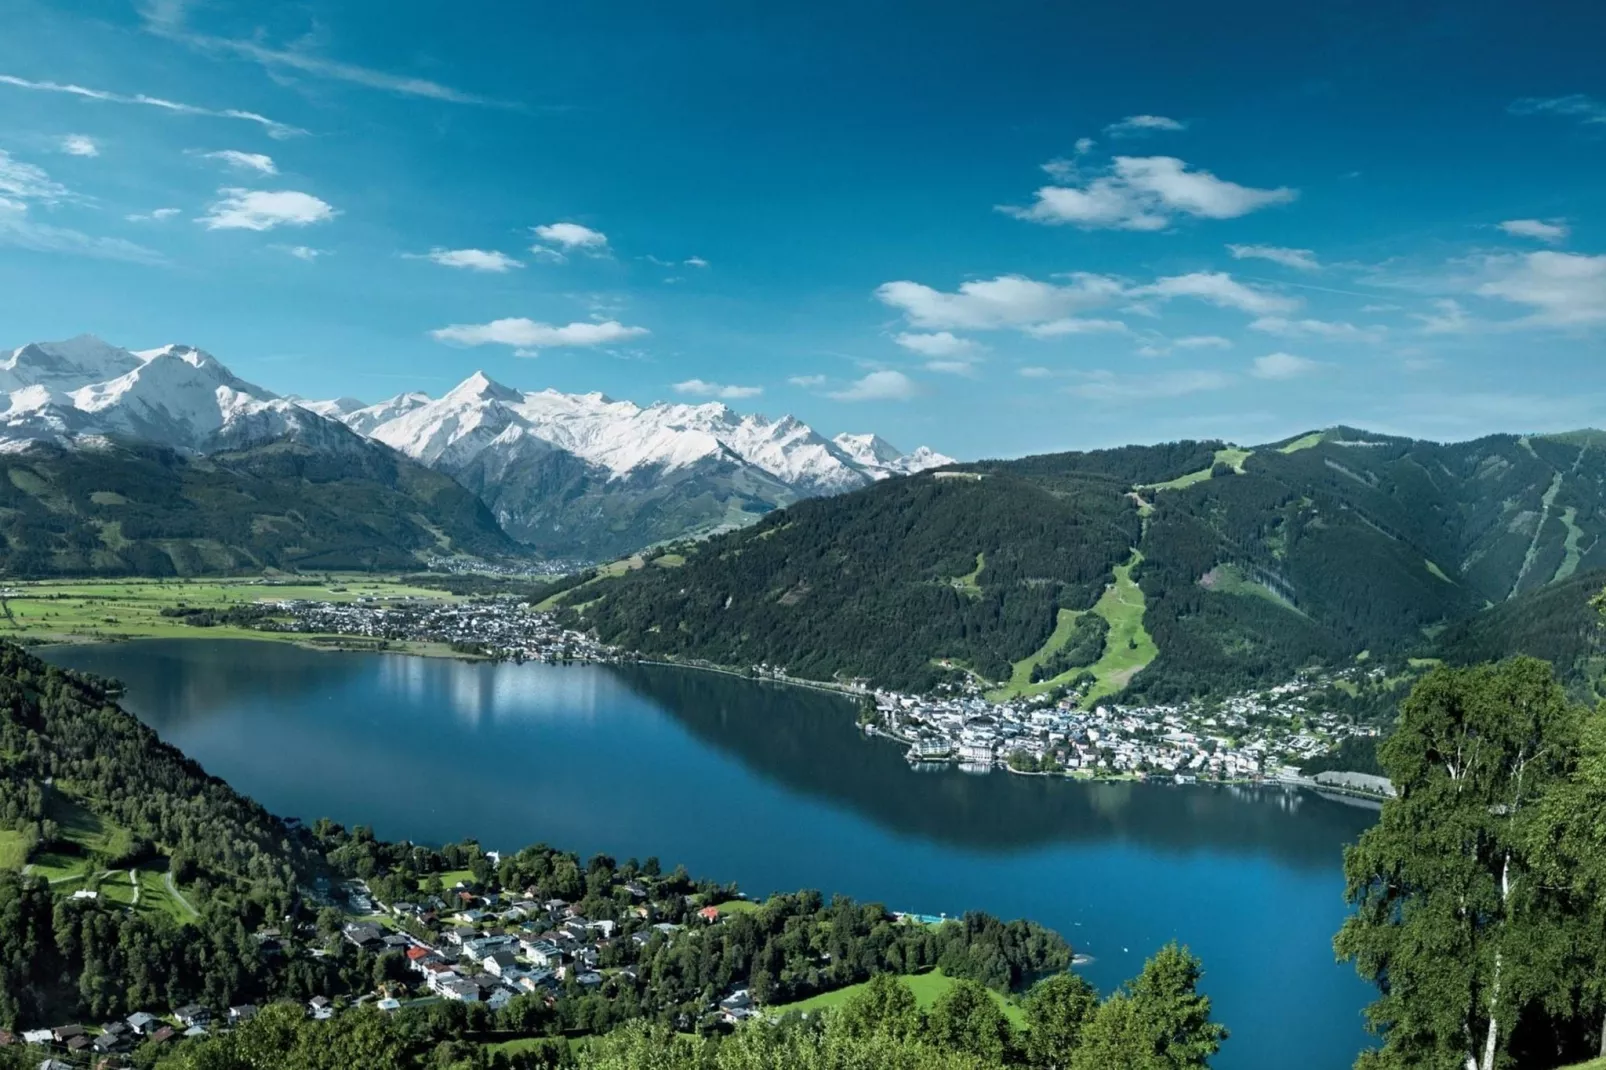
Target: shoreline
point(307, 641)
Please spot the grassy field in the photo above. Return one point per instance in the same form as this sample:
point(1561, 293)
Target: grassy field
point(1020, 678)
point(1129, 647)
point(927, 987)
point(966, 584)
point(612, 568)
point(738, 906)
point(1231, 456)
point(132, 609)
point(13, 850)
point(1304, 442)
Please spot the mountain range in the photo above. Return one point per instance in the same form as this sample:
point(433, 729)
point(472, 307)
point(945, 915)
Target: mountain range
point(1213, 567)
point(568, 476)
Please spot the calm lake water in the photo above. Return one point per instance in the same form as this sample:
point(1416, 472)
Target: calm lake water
point(776, 789)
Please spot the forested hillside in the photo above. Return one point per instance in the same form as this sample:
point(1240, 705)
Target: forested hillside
point(1250, 563)
point(885, 581)
point(146, 510)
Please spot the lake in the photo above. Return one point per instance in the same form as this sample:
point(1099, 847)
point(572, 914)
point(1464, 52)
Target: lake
point(775, 788)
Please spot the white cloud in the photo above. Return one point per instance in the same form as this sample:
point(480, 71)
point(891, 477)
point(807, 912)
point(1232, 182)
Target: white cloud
point(155, 215)
point(1552, 233)
point(879, 386)
point(26, 182)
point(1324, 329)
point(20, 230)
point(244, 161)
point(1144, 193)
point(1222, 290)
point(1299, 259)
point(940, 344)
point(1448, 317)
point(274, 129)
point(807, 381)
point(990, 304)
point(1203, 341)
point(1563, 289)
point(1075, 325)
point(243, 209)
point(695, 261)
point(302, 252)
point(1138, 125)
point(704, 389)
point(1108, 386)
point(528, 334)
point(79, 145)
point(1576, 106)
point(1282, 366)
point(569, 237)
point(470, 259)
point(1035, 372)
point(318, 67)
point(1084, 145)
point(951, 367)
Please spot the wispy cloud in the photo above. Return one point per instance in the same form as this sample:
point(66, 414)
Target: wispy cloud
point(275, 129)
point(249, 209)
point(702, 388)
point(1008, 301)
point(79, 145)
point(807, 381)
point(563, 238)
point(488, 260)
point(1281, 366)
point(19, 229)
point(886, 385)
point(1327, 330)
point(320, 67)
point(1574, 106)
point(256, 162)
point(1299, 259)
point(1220, 289)
point(1561, 289)
point(1138, 125)
point(1552, 232)
point(27, 182)
point(1108, 386)
point(529, 336)
point(1146, 193)
point(156, 215)
point(302, 252)
point(939, 344)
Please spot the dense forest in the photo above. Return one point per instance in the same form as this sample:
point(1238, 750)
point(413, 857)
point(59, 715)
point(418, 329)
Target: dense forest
point(884, 582)
point(1312, 552)
point(149, 511)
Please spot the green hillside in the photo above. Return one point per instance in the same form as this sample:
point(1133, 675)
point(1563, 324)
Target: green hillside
point(1250, 563)
point(141, 510)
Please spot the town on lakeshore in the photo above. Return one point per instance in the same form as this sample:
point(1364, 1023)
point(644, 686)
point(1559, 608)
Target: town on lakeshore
point(1261, 735)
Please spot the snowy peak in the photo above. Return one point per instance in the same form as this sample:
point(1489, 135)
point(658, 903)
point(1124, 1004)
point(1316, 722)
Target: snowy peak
point(882, 459)
point(481, 387)
point(64, 365)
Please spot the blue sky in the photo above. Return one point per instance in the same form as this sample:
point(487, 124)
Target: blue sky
point(994, 229)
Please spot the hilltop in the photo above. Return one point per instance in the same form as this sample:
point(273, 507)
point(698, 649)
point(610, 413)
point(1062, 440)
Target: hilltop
point(1165, 571)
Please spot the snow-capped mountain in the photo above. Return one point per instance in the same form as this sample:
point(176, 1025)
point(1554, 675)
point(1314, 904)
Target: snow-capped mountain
point(573, 474)
point(175, 396)
point(622, 437)
point(551, 464)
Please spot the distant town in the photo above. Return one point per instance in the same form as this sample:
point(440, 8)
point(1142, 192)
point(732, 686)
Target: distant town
point(1265, 734)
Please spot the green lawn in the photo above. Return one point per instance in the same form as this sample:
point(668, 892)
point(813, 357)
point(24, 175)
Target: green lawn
point(1128, 647)
point(927, 987)
point(738, 906)
point(13, 850)
point(1304, 442)
point(967, 584)
point(1020, 677)
point(1231, 456)
point(129, 609)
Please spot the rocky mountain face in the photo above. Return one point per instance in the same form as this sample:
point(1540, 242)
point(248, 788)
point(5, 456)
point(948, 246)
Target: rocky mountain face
point(584, 475)
point(576, 476)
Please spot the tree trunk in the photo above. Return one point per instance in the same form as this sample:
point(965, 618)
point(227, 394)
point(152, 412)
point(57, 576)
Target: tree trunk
point(1603, 1035)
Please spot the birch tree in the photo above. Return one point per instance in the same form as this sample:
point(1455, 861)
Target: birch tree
point(1451, 922)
